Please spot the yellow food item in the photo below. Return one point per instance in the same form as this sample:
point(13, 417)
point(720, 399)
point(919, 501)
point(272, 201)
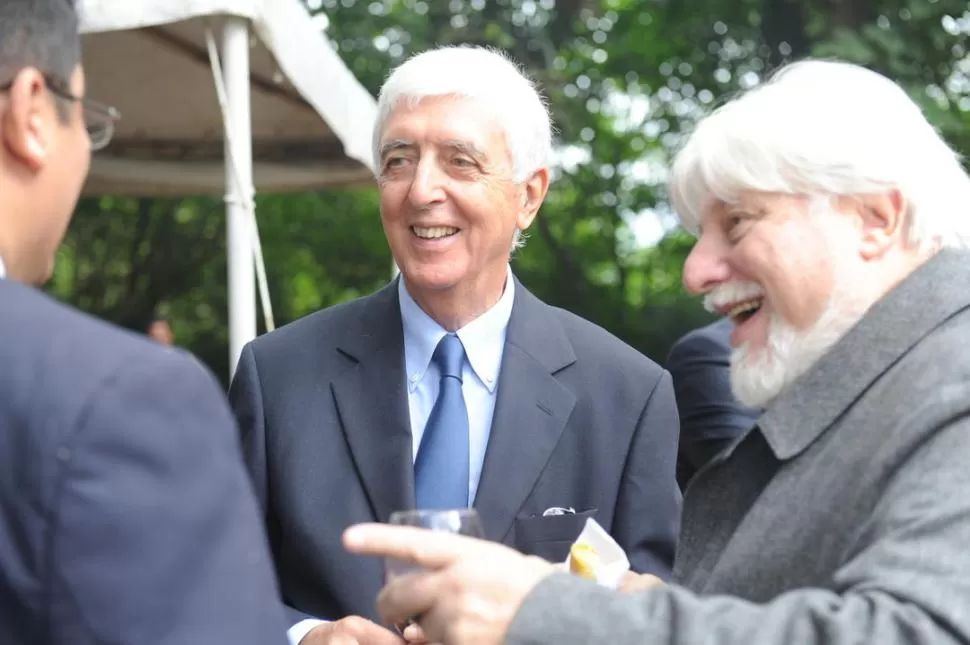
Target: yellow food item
point(583, 560)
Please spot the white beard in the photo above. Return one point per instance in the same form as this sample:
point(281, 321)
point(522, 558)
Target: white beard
point(759, 375)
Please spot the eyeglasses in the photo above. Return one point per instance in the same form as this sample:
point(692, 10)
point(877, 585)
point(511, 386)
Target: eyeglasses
point(99, 118)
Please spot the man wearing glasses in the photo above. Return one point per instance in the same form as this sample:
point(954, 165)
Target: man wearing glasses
point(126, 514)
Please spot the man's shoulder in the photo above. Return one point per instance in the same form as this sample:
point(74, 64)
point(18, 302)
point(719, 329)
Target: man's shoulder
point(919, 334)
point(940, 358)
point(324, 327)
point(713, 338)
point(35, 324)
point(600, 349)
point(920, 395)
point(57, 362)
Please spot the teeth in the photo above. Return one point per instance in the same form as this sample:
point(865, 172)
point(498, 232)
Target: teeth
point(744, 307)
point(731, 294)
point(434, 233)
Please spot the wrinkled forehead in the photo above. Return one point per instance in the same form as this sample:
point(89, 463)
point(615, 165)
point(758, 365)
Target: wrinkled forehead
point(716, 208)
point(443, 109)
point(448, 119)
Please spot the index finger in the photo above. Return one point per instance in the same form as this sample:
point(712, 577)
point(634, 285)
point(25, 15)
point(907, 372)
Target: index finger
point(423, 547)
point(414, 635)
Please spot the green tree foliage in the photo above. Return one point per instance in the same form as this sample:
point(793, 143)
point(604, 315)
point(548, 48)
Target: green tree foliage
point(625, 79)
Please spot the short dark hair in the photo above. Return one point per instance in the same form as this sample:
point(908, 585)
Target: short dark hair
point(41, 34)
point(143, 321)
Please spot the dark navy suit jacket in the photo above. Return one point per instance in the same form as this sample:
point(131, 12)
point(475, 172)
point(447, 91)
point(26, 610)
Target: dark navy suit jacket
point(710, 417)
point(581, 420)
point(125, 512)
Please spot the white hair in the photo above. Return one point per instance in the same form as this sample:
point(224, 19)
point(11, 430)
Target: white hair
point(483, 75)
point(826, 129)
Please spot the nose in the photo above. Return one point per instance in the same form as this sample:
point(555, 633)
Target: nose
point(705, 266)
point(427, 184)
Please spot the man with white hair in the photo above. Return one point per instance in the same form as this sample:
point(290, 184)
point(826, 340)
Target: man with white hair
point(453, 386)
point(832, 229)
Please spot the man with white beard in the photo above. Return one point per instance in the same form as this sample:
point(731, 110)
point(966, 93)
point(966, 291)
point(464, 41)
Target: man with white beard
point(832, 229)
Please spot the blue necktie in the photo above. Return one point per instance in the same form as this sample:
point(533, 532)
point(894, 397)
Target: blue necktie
point(441, 468)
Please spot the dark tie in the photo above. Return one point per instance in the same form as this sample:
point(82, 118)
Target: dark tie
point(441, 468)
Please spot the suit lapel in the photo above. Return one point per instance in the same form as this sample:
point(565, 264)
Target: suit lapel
point(531, 411)
point(372, 403)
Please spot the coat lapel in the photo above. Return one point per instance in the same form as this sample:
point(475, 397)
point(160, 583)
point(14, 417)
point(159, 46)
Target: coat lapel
point(372, 404)
point(531, 411)
point(926, 299)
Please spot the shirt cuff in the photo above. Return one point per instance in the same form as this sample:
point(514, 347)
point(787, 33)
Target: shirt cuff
point(298, 632)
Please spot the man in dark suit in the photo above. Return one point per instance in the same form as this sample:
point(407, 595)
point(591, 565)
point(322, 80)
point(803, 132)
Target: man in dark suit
point(711, 418)
point(453, 386)
point(126, 514)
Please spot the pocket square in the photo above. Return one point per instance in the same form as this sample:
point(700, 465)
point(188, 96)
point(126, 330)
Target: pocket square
point(558, 510)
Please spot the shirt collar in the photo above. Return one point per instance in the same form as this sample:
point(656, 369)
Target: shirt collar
point(3, 270)
point(483, 338)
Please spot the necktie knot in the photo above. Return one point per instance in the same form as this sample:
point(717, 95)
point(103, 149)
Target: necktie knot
point(449, 356)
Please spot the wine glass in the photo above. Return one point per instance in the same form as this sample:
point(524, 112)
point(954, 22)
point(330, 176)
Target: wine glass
point(461, 521)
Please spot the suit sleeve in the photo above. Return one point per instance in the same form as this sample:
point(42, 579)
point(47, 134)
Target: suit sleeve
point(710, 417)
point(246, 400)
point(647, 518)
point(156, 538)
point(905, 582)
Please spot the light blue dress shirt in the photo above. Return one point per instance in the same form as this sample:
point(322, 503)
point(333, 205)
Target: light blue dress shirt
point(484, 341)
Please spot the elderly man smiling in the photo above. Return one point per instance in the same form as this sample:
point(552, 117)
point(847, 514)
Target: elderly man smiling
point(453, 386)
point(832, 221)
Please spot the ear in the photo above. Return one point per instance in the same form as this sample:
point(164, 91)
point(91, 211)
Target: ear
point(26, 123)
point(882, 217)
point(534, 194)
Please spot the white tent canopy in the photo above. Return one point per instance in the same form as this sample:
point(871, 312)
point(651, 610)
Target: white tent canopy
point(293, 116)
point(311, 118)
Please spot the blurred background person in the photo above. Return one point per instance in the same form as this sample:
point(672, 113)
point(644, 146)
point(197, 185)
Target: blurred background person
point(711, 418)
point(160, 330)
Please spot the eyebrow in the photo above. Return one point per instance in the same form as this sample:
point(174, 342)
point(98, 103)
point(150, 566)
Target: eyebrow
point(746, 209)
point(395, 144)
point(466, 147)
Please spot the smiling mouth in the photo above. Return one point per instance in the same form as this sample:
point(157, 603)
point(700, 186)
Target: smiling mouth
point(434, 233)
point(743, 311)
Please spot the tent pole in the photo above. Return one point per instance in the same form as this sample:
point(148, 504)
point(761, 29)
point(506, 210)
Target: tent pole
point(238, 136)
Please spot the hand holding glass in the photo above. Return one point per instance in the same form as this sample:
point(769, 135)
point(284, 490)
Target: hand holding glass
point(463, 521)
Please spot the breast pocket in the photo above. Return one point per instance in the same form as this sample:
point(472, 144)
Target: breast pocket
point(551, 536)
